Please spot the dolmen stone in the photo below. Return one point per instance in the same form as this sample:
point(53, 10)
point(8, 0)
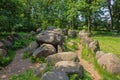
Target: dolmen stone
point(83, 33)
point(44, 50)
point(32, 47)
point(94, 46)
point(110, 62)
point(55, 75)
point(63, 56)
point(70, 68)
point(50, 38)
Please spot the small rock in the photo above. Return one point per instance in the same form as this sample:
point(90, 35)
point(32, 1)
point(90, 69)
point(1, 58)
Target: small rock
point(7, 43)
point(40, 70)
point(3, 52)
point(51, 28)
point(72, 33)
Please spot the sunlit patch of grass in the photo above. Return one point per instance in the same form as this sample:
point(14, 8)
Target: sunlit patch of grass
point(90, 57)
point(109, 44)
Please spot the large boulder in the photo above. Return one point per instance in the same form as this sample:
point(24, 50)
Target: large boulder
point(63, 56)
point(50, 38)
point(94, 46)
point(55, 75)
point(7, 42)
point(70, 68)
point(39, 71)
point(99, 54)
point(44, 50)
point(3, 52)
point(72, 33)
point(83, 33)
point(32, 47)
point(110, 62)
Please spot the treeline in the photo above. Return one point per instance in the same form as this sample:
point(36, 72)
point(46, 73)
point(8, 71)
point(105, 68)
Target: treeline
point(26, 15)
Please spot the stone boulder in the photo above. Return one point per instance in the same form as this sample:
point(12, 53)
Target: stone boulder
point(99, 54)
point(72, 33)
point(44, 50)
point(110, 62)
point(38, 30)
point(32, 47)
point(63, 56)
point(2, 45)
point(50, 38)
point(86, 41)
point(70, 68)
point(51, 28)
point(3, 52)
point(55, 75)
point(94, 46)
point(6, 42)
point(83, 33)
point(39, 71)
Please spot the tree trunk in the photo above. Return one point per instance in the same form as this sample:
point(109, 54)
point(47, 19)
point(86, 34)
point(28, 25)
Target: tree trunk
point(89, 24)
point(111, 16)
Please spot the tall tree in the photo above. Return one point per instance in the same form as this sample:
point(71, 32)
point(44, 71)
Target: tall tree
point(110, 12)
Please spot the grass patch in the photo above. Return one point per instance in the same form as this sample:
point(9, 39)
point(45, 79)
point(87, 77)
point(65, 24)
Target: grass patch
point(109, 44)
point(90, 57)
point(71, 44)
point(86, 76)
point(28, 75)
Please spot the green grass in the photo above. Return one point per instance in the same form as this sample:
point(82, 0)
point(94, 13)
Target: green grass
point(28, 75)
point(72, 47)
point(86, 76)
point(109, 44)
point(90, 57)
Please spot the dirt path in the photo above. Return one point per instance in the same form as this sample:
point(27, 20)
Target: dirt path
point(87, 66)
point(18, 65)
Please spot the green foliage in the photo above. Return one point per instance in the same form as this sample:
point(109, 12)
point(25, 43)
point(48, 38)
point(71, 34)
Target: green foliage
point(21, 43)
point(25, 55)
point(7, 59)
point(28, 75)
point(76, 77)
point(24, 41)
point(109, 44)
point(37, 60)
point(90, 57)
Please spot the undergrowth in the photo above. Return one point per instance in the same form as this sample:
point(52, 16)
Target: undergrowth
point(20, 43)
point(90, 57)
